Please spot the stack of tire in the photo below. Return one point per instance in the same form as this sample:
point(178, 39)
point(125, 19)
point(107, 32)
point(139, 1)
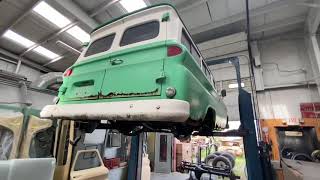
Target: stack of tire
point(224, 160)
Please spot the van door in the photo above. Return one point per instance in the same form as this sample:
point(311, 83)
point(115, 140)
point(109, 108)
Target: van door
point(87, 76)
point(136, 69)
point(88, 165)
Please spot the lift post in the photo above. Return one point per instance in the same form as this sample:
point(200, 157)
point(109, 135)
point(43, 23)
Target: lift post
point(247, 128)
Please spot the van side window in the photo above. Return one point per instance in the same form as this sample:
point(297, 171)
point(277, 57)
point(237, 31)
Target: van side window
point(100, 45)
point(186, 41)
point(206, 70)
point(195, 54)
point(140, 32)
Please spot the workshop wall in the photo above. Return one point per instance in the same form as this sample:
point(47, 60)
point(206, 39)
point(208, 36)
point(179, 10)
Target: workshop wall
point(287, 76)
point(284, 75)
point(10, 94)
point(30, 73)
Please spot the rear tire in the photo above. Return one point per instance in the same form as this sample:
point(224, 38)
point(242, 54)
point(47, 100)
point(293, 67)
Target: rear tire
point(222, 162)
point(230, 157)
point(183, 132)
point(209, 159)
point(207, 125)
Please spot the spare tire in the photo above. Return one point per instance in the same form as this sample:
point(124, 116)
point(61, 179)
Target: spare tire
point(222, 162)
point(209, 159)
point(230, 157)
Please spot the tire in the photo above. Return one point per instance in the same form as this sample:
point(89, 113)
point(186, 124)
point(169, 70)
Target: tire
point(183, 133)
point(192, 176)
point(217, 153)
point(222, 162)
point(230, 157)
point(302, 157)
point(209, 159)
point(206, 176)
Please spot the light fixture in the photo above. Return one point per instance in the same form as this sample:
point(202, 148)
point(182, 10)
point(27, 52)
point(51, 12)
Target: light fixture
point(28, 43)
point(235, 85)
point(55, 17)
point(18, 38)
point(79, 34)
point(132, 5)
point(52, 15)
point(45, 52)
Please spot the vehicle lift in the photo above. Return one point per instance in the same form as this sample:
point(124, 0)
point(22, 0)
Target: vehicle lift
point(257, 159)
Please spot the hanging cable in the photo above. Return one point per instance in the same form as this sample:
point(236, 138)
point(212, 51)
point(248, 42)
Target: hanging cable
point(252, 65)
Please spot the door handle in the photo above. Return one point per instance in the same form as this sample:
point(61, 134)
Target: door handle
point(116, 61)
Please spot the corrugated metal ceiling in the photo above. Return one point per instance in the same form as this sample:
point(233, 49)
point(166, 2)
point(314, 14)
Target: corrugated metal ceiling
point(206, 19)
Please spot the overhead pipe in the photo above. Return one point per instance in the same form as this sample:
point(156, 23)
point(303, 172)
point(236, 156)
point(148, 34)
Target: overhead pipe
point(68, 47)
point(47, 79)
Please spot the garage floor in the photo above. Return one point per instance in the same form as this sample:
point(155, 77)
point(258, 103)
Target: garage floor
point(171, 176)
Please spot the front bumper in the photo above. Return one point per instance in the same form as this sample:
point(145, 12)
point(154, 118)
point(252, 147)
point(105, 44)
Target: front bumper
point(170, 110)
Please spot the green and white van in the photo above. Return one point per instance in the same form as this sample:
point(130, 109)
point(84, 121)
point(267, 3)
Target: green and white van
point(142, 69)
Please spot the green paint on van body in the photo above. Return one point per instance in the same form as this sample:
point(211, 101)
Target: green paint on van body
point(146, 72)
point(143, 72)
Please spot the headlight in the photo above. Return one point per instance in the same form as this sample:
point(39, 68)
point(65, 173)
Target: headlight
point(170, 92)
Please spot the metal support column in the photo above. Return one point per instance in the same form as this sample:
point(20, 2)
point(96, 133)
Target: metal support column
point(135, 159)
point(247, 127)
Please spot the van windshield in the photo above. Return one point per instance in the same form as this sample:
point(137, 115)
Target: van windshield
point(100, 45)
point(140, 32)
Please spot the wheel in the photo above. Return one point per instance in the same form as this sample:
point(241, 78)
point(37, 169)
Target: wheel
point(206, 176)
point(302, 157)
point(230, 157)
point(183, 132)
point(192, 176)
point(217, 153)
point(207, 125)
point(209, 159)
point(222, 162)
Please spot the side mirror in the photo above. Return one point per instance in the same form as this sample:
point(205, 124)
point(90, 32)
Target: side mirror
point(85, 44)
point(223, 93)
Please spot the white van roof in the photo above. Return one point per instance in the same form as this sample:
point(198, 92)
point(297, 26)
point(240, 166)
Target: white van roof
point(135, 14)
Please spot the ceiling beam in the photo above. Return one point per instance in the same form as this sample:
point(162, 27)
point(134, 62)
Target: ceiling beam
point(187, 5)
point(78, 13)
point(24, 12)
point(24, 60)
point(275, 5)
point(102, 7)
point(313, 19)
point(278, 24)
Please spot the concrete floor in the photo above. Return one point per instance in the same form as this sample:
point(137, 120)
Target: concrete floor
point(171, 176)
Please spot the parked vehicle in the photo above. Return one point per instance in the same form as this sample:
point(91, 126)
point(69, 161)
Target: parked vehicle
point(44, 148)
point(142, 69)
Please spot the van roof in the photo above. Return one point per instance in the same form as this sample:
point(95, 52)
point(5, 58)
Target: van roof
point(134, 12)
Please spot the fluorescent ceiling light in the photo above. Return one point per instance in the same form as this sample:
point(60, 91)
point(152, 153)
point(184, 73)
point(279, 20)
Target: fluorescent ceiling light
point(79, 34)
point(132, 5)
point(18, 38)
point(45, 52)
point(51, 14)
point(28, 43)
point(235, 85)
point(60, 20)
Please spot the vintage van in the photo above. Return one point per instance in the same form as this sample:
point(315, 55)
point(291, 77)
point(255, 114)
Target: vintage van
point(142, 69)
